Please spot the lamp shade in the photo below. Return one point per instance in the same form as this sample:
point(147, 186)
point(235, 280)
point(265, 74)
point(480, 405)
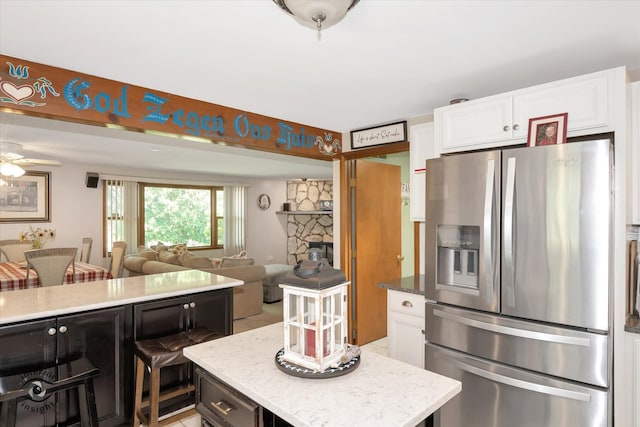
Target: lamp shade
point(308, 12)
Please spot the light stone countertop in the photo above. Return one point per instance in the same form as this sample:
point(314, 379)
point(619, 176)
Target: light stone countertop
point(38, 303)
point(379, 392)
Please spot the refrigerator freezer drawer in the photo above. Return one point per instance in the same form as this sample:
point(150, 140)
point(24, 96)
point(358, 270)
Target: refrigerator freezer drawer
point(566, 353)
point(495, 395)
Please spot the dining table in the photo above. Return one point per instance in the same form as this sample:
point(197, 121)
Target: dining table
point(13, 275)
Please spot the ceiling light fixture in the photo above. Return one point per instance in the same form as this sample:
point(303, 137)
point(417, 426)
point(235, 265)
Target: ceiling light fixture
point(9, 169)
point(317, 14)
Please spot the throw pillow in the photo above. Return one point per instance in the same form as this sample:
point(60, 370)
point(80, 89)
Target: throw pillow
point(235, 262)
point(169, 258)
point(179, 249)
point(189, 260)
point(147, 253)
point(160, 247)
point(242, 254)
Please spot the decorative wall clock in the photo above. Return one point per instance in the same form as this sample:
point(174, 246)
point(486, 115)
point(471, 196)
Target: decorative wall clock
point(264, 202)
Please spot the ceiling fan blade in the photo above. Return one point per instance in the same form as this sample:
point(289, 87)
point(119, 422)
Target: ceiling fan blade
point(36, 162)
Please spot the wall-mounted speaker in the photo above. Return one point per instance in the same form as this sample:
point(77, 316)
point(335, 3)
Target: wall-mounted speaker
point(92, 180)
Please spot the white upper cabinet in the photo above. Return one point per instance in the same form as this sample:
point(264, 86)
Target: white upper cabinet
point(420, 149)
point(634, 156)
point(502, 120)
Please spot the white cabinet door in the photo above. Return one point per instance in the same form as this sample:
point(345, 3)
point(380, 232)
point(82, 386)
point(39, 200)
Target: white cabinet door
point(585, 101)
point(635, 394)
point(473, 124)
point(503, 120)
point(420, 149)
point(405, 327)
point(634, 155)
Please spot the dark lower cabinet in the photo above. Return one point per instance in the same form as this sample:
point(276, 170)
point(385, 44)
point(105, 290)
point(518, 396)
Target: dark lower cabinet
point(31, 350)
point(211, 310)
point(220, 405)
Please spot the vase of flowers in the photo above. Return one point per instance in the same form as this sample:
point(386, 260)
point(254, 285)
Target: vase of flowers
point(37, 236)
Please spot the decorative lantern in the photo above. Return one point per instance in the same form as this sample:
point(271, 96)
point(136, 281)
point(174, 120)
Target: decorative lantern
point(315, 323)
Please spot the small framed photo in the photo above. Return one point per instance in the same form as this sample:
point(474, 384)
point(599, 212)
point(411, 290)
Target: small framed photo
point(547, 130)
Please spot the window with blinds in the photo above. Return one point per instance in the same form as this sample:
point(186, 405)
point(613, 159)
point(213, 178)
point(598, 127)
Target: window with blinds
point(114, 213)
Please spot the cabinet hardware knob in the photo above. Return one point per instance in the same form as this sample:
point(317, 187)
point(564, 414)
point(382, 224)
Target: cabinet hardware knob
point(516, 126)
point(399, 257)
point(407, 304)
point(185, 306)
point(51, 331)
point(62, 329)
point(222, 407)
point(192, 304)
point(505, 128)
point(422, 331)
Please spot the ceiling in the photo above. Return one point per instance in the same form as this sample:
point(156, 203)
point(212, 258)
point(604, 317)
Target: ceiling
point(388, 60)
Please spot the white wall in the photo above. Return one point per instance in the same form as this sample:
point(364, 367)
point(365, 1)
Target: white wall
point(267, 231)
point(76, 211)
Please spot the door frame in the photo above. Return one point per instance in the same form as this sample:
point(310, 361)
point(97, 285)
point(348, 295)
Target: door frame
point(346, 226)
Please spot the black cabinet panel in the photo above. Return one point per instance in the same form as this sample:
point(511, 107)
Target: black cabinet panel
point(34, 348)
point(26, 349)
point(100, 337)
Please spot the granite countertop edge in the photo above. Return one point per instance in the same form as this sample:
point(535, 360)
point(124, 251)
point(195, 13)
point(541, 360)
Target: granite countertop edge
point(632, 324)
point(409, 284)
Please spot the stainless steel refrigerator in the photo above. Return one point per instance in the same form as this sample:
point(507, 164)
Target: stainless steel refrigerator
point(518, 273)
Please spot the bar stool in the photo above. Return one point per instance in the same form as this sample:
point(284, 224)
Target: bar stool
point(156, 354)
point(76, 374)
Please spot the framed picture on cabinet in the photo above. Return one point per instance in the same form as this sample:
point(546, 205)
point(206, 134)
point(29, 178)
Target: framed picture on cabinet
point(547, 130)
point(25, 198)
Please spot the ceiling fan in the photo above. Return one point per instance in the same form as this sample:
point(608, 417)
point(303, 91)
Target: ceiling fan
point(12, 161)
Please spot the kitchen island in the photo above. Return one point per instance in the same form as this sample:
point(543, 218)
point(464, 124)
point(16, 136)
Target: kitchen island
point(379, 392)
point(43, 328)
point(36, 303)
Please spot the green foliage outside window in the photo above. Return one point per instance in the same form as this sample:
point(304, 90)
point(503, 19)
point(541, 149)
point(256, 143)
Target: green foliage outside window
point(175, 215)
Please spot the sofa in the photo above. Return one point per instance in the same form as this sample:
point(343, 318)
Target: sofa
point(247, 299)
point(275, 273)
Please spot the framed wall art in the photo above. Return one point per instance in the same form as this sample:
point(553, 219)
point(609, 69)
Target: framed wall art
point(547, 130)
point(25, 198)
point(393, 132)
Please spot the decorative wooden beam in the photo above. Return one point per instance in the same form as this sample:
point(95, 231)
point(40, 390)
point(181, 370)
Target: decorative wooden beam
point(55, 93)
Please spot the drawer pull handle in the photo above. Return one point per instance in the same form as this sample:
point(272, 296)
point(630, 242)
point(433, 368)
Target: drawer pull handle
point(407, 304)
point(222, 407)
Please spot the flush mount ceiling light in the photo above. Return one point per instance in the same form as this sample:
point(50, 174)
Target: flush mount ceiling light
point(317, 14)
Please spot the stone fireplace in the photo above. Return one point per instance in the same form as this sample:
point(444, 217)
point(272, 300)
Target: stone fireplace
point(302, 227)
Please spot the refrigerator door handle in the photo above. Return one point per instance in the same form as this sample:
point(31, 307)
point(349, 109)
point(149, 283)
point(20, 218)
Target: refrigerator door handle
point(521, 333)
point(553, 391)
point(508, 279)
point(487, 230)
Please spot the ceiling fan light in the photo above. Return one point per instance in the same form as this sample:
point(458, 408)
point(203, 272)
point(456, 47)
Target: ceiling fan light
point(307, 12)
point(10, 150)
point(17, 171)
point(9, 169)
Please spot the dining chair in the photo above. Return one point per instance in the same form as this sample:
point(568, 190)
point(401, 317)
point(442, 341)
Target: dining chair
point(13, 250)
point(116, 265)
point(85, 253)
point(51, 264)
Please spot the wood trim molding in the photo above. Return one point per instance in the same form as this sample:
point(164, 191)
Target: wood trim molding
point(55, 93)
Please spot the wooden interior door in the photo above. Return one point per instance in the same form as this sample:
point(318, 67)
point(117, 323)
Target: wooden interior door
point(377, 253)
